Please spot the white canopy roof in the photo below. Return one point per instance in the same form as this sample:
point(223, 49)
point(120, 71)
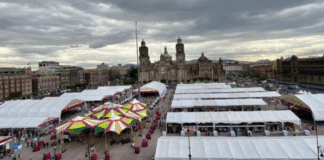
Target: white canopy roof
point(160, 87)
point(200, 86)
point(22, 122)
point(98, 94)
point(215, 148)
point(215, 103)
point(47, 107)
point(223, 90)
point(114, 89)
point(227, 95)
point(234, 117)
point(316, 103)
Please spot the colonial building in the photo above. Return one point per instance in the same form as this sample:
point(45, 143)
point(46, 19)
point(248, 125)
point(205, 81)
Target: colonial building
point(15, 80)
point(305, 70)
point(92, 77)
point(43, 83)
point(178, 70)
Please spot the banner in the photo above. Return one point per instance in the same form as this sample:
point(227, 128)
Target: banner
point(191, 128)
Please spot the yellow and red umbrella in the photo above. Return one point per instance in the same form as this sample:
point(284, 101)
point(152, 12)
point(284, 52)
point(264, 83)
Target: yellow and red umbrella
point(115, 124)
point(137, 107)
point(78, 124)
point(112, 110)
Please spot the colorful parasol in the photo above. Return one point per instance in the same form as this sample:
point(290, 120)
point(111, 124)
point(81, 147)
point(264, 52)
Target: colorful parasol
point(112, 110)
point(78, 124)
point(136, 106)
point(115, 124)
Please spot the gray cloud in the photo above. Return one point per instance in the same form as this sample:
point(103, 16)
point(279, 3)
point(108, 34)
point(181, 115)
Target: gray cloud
point(69, 30)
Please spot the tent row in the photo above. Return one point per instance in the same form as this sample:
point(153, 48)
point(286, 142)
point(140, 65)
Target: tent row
point(22, 122)
point(217, 103)
point(47, 107)
point(223, 90)
point(203, 86)
point(215, 148)
point(153, 87)
point(236, 117)
point(314, 102)
point(227, 95)
point(98, 94)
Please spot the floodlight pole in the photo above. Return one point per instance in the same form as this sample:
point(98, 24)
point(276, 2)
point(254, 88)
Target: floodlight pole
point(138, 68)
point(318, 156)
point(189, 145)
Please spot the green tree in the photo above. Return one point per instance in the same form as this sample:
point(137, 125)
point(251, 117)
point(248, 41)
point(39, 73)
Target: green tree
point(15, 95)
point(132, 73)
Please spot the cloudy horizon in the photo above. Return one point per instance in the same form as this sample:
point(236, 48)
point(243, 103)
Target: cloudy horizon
point(87, 33)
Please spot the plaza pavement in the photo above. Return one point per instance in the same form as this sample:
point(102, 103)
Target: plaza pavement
point(76, 151)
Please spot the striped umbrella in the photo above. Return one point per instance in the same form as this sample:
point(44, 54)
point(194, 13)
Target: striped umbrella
point(115, 124)
point(78, 124)
point(136, 106)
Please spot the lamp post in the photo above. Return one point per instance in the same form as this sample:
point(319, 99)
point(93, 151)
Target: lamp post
point(317, 146)
point(138, 67)
point(189, 145)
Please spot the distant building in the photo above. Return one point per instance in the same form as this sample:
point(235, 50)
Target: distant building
point(166, 69)
point(305, 70)
point(102, 74)
point(233, 67)
point(15, 80)
point(92, 77)
point(43, 83)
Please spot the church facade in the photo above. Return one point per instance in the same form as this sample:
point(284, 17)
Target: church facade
point(178, 70)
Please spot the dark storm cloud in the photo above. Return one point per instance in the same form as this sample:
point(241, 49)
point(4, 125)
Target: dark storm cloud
point(218, 28)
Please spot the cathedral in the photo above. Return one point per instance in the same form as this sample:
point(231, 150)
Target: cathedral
point(177, 70)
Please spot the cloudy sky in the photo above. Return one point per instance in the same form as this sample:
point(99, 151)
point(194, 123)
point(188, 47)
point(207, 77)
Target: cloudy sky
point(89, 32)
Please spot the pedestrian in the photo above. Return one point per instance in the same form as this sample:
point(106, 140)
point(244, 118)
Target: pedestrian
point(54, 148)
point(19, 156)
point(47, 144)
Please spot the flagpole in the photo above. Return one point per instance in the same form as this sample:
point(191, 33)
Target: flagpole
point(138, 68)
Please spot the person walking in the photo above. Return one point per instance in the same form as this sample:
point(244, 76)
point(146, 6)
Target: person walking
point(19, 156)
point(54, 148)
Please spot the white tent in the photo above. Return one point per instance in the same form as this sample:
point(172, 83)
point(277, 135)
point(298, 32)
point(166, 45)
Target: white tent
point(316, 103)
point(22, 122)
point(200, 86)
point(114, 89)
point(47, 107)
point(227, 95)
point(160, 87)
point(215, 103)
point(235, 117)
point(223, 90)
point(216, 148)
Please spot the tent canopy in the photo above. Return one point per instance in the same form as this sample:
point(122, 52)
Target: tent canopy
point(219, 102)
point(22, 122)
point(98, 94)
point(160, 87)
point(215, 148)
point(315, 102)
point(223, 90)
point(47, 107)
point(227, 95)
point(200, 86)
point(235, 117)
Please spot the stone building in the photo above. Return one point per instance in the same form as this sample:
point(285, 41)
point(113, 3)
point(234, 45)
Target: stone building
point(15, 80)
point(304, 70)
point(92, 77)
point(102, 74)
point(43, 83)
point(178, 70)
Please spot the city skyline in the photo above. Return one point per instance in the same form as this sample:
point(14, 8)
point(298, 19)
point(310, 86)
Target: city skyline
point(87, 33)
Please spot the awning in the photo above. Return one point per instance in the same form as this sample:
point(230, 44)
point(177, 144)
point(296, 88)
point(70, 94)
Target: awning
point(217, 148)
point(233, 117)
point(223, 90)
point(227, 95)
point(216, 103)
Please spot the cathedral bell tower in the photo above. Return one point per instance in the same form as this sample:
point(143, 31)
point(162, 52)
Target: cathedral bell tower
point(144, 57)
point(180, 55)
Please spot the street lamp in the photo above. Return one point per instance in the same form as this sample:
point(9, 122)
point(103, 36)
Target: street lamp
point(138, 72)
point(189, 145)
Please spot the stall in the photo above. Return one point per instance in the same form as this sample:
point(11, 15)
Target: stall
point(216, 148)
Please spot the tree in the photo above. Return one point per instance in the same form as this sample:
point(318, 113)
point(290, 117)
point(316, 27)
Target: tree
point(163, 80)
point(15, 95)
point(132, 73)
